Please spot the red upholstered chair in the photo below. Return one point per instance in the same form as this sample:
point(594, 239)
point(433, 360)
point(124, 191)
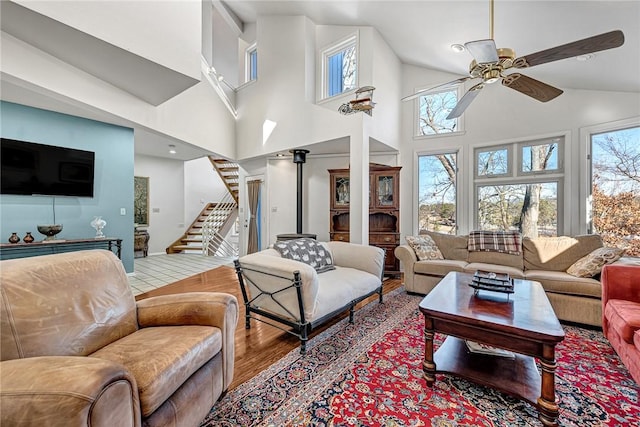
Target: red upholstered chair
point(621, 312)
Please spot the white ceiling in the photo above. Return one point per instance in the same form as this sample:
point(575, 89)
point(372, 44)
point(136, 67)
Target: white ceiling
point(421, 32)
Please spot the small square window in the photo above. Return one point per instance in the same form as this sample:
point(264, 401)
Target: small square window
point(340, 68)
point(540, 157)
point(433, 110)
point(492, 162)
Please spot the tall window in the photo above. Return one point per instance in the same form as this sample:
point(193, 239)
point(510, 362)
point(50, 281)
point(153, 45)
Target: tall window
point(340, 67)
point(518, 187)
point(252, 63)
point(437, 192)
point(615, 188)
point(433, 110)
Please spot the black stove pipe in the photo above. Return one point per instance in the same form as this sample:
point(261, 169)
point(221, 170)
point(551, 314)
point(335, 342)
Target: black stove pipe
point(299, 157)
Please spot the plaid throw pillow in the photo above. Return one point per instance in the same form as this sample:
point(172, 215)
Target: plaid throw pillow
point(508, 242)
point(308, 251)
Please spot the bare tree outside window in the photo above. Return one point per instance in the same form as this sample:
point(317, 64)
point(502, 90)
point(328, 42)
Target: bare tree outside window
point(437, 193)
point(349, 68)
point(615, 188)
point(521, 201)
point(433, 111)
point(502, 207)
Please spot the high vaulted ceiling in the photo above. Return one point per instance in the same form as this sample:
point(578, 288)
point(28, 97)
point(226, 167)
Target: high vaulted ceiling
point(421, 32)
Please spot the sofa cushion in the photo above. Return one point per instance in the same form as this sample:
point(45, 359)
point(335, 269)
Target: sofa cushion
point(495, 268)
point(424, 247)
point(161, 359)
point(438, 268)
point(557, 253)
point(636, 339)
point(341, 286)
point(497, 258)
point(308, 251)
point(624, 317)
point(451, 246)
point(559, 282)
point(590, 265)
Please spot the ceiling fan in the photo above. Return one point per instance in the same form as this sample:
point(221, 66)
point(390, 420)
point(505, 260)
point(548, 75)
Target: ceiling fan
point(490, 64)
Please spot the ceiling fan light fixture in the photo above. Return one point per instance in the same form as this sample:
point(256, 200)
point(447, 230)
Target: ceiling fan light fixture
point(491, 76)
point(457, 47)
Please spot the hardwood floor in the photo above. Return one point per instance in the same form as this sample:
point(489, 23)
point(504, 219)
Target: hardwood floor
point(262, 345)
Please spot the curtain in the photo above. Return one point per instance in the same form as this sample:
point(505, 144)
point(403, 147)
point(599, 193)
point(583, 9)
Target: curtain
point(253, 188)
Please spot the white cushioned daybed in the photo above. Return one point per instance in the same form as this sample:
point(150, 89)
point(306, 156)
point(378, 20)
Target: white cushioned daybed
point(303, 283)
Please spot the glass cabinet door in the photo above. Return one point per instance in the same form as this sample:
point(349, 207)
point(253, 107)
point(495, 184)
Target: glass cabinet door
point(341, 196)
point(385, 192)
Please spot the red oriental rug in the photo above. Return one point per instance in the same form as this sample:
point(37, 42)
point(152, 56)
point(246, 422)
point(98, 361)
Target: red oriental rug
point(370, 374)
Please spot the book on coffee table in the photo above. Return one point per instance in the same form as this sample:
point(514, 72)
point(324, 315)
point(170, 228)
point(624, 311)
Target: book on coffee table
point(489, 281)
point(479, 348)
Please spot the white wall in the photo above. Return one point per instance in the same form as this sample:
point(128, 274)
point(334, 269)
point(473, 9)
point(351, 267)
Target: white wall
point(502, 115)
point(202, 185)
point(166, 199)
point(225, 49)
point(166, 32)
point(281, 93)
point(387, 79)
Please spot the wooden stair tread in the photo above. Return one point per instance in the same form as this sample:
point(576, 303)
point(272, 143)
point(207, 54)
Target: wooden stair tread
point(187, 247)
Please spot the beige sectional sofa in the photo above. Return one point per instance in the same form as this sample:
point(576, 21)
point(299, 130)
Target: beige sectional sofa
point(544, 260)
point(292, 293)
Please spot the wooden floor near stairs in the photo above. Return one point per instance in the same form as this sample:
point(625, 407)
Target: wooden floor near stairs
point(262, 345)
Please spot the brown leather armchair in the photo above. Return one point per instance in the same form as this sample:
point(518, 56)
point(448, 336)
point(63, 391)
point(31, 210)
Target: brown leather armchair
point(77, 349)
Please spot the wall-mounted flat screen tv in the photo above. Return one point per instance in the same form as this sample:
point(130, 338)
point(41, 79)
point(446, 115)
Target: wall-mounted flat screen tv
point(31, 169)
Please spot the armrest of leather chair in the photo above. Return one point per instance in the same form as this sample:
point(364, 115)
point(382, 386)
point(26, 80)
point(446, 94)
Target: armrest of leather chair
point(196, 308)
point(69, 390)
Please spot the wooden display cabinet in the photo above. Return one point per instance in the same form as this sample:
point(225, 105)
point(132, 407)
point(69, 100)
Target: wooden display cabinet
point(384, 210)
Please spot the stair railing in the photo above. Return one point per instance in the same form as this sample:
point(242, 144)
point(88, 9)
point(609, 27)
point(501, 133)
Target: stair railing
point(213, 242)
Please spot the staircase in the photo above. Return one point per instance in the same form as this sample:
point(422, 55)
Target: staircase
point(228, 171)
point(206, 233)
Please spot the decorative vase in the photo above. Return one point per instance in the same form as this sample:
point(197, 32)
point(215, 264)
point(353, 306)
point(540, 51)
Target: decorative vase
point(14, 238)
point(28, 238)
point(50, 230)
point(98, 223)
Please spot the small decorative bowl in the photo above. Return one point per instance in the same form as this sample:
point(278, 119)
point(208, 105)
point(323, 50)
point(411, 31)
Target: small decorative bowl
point(50, 230)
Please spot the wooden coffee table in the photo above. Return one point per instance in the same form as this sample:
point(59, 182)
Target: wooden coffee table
point(523, 322)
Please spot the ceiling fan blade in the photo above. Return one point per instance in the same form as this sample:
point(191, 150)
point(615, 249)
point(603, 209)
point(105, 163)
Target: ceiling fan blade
point(431, 89)
point(531, 87)
point(483, 51)
point(581, 47)
point(465, 101)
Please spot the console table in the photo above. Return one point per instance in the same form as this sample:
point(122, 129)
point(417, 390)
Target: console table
point(45, 247)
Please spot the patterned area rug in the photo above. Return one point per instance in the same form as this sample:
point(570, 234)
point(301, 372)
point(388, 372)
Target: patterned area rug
point(370, 374)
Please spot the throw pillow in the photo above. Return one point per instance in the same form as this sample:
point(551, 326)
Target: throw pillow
point(508, 242)
point(424, 247)
point(308, 251)
point(590, 265)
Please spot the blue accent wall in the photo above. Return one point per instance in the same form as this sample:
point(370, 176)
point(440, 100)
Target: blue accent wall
point(113, 186)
